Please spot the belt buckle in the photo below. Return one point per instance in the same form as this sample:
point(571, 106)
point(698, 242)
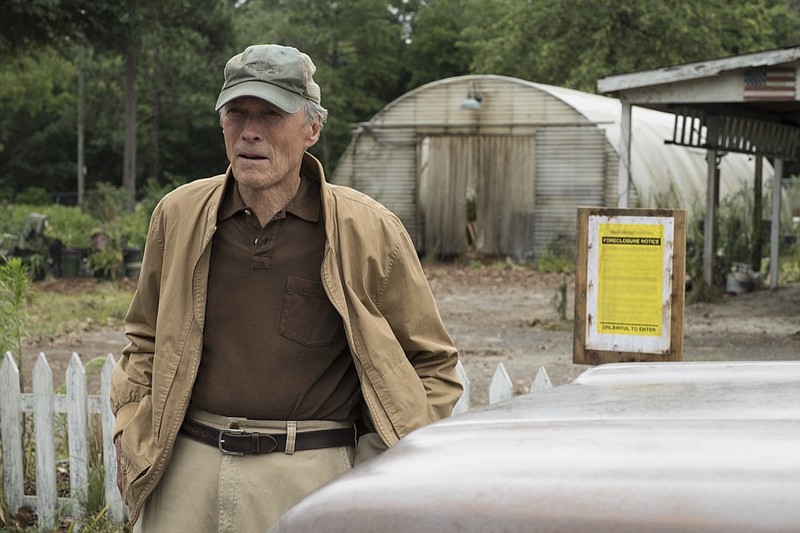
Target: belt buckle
point(221, 440)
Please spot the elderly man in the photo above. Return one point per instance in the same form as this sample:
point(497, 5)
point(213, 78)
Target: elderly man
point(282, 330)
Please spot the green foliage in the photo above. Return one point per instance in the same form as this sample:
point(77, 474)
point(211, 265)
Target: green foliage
point(34, 196)
point(36, 127)
point(368, 53)
point(559, 256)
point(357, 46)
point(437, 50)
point(15, 295)
point(73, 226)
point(735, 238)
point(105, 262)
point(106, 202)
point(559, 300)
point(130, 229)
point(154, 192)
point(574, 43)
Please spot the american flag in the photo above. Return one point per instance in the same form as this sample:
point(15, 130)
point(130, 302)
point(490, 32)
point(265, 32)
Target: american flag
point(770, 84)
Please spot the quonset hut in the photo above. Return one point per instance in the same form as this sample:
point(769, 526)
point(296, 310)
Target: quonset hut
point(501, 164)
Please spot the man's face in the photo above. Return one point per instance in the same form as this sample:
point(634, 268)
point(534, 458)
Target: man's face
point(265, 144)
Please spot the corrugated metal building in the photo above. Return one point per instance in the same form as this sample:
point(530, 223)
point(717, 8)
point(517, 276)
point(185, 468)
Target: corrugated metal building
point(515, 158)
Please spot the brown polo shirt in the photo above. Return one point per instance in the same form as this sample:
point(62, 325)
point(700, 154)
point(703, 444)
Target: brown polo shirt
point(274, 347)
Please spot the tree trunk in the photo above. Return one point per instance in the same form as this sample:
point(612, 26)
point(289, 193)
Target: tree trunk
point(156, 128)
point(129, 153)
point(81, 118)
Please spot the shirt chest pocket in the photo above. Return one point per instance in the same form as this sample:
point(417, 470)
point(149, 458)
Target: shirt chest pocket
point(307, 316)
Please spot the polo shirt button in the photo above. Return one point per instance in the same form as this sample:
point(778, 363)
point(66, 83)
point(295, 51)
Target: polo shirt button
point(247, 212)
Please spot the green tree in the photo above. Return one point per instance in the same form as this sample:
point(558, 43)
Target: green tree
point(31, 24)
point(573, 43)
point(153, 24)
point(357, 46)
point(368, 53)
point(183, 51)
point(36, 128)
point(436, 49)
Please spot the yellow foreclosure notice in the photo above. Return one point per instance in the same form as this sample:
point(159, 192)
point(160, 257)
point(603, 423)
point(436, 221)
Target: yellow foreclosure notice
point(630, 279)
point(629, 285)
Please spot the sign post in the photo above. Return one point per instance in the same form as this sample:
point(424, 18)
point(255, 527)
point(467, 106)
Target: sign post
point(629, 285)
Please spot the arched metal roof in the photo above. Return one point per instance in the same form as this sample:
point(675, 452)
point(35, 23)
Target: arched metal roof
point(663, 175)
point(659, 168)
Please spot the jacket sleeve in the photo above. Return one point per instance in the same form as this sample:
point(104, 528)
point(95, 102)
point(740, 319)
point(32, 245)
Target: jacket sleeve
point(407, 303)
point(132, 377)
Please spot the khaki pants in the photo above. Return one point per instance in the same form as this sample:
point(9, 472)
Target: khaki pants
point(204, 490)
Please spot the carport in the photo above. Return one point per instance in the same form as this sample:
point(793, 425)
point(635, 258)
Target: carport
point(744, 104)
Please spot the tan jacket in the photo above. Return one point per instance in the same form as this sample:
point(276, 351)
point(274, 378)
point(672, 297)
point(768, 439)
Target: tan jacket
point(402, 353)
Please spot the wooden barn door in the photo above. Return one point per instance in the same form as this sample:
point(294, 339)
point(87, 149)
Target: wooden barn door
point(495, 172)
point(446, 166)
point(506, 196)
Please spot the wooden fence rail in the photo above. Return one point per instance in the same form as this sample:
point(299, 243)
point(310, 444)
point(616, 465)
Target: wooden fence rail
point(44, 404)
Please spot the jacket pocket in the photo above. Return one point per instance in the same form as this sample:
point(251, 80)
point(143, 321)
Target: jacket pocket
point(138, 443)
point(308, 317)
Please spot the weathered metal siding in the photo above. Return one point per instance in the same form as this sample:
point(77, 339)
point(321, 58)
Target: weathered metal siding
point(570, 172)
point(382, 164)
point(385, 160)
point(382, 160)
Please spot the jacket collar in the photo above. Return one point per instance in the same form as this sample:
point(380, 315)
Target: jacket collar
point(227, 202)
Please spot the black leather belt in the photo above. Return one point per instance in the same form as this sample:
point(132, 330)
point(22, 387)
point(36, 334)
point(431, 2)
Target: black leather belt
point(240, 442)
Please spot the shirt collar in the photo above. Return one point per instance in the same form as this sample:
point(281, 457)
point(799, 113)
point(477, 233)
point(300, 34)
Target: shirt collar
point(305, 204)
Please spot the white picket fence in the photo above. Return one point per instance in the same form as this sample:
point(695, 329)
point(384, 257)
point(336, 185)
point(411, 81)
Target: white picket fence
point(43, 403)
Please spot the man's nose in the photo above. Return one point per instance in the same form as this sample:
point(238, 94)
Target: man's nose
point(252, 127)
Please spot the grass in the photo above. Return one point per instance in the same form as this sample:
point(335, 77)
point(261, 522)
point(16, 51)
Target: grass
point(60, 309)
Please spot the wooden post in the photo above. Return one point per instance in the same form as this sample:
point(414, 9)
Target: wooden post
point(462, 406)
point(501, 388)
point(81, 118)
point(709, 230)
point(10, 404)
point(113, 497)
point(541, 382)
point(77, 424)
point(624, 173)
point(758, 241)
point(46, 493)
point(775, 236)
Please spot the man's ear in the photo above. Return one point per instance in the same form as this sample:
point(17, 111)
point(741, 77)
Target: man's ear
point(313, 136)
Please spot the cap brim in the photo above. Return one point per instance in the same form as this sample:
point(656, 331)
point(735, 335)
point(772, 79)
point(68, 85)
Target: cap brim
point(286, 100)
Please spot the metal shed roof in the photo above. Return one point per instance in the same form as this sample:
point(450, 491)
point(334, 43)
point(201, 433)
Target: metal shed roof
point(661, 174)
point(747, 103)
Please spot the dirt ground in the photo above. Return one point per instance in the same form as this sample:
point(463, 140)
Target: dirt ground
point(506, 314)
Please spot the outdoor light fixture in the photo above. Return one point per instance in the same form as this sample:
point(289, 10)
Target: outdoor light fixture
point(473, 99)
